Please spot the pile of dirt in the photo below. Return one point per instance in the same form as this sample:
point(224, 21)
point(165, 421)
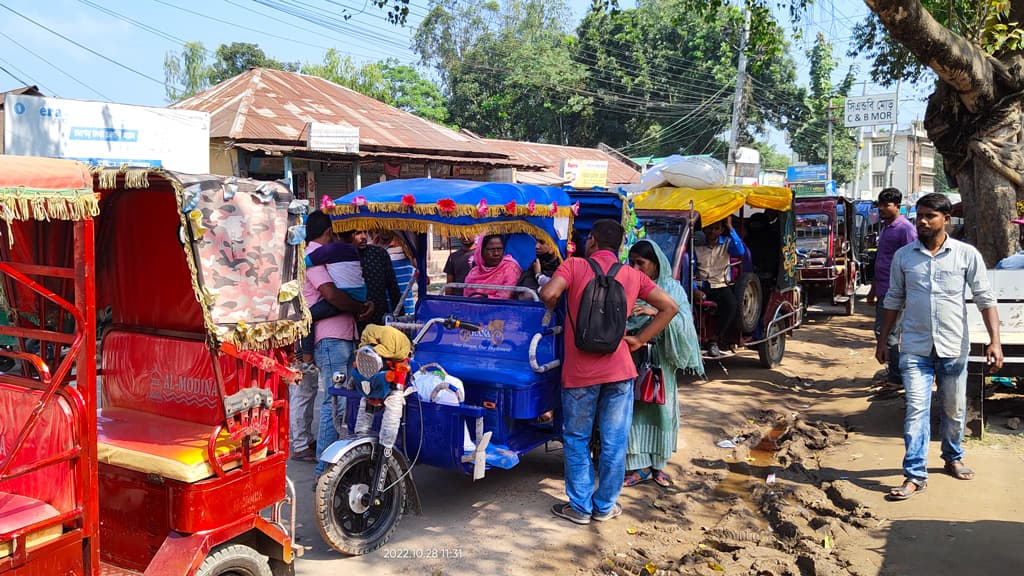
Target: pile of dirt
point(782, 519)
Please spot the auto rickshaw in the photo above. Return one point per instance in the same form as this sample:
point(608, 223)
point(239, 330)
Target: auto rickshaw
point(866, 226)
point(158, 445)
point(504, 354)
point(764, 280)
point(827, 262)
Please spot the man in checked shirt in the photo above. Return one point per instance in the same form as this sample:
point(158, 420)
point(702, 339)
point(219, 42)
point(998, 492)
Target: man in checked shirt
point(929, 280)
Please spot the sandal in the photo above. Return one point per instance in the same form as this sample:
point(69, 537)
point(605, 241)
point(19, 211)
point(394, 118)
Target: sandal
point(905, 491)
point(637, 477)
point(957, 469)
point(662, 479)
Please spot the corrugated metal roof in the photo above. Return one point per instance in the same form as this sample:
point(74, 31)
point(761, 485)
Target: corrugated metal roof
point(550, 156)
point(273, 105)
point(302, 152)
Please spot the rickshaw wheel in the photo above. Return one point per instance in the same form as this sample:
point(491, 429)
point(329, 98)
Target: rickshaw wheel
point(347, 526)
point(234, 560)
point(749, 287)
point(771, 351)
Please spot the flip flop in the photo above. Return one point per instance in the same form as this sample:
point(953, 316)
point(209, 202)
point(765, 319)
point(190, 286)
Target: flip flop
point(957, 469)
point(904, 491)
point(662, 479)
point(637, 477)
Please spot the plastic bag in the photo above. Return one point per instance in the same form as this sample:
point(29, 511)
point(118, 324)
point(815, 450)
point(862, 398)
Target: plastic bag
point(435, 385)
point(698, 172)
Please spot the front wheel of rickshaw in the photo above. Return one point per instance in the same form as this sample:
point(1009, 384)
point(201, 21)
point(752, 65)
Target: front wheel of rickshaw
point(346, 523)
point(234, 560)
point(771, 351)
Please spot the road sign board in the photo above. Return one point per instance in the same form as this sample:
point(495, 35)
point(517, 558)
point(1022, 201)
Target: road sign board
point(870, 110)
point(812, 172)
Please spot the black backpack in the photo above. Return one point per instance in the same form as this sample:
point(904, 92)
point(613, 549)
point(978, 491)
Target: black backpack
point(601, 318)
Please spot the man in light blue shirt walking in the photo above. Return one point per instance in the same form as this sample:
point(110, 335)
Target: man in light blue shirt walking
point(928, 281)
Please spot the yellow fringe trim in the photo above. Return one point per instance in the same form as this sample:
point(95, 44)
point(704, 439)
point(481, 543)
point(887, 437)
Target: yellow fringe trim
point(424, 226)
point(33, 204)
point(426, 209)
point(106, 178)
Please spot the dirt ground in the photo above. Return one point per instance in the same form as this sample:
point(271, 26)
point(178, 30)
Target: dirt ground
point(802, 493)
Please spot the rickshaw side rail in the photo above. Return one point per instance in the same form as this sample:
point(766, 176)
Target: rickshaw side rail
point(39, 270)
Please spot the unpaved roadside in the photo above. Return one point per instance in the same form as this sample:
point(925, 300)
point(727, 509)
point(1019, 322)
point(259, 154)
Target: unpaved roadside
point(834, 452)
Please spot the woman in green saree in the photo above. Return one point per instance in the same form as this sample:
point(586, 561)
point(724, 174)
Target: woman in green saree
point(655, 430)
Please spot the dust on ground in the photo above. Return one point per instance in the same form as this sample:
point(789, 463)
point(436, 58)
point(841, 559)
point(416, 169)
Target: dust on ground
point(802, 492)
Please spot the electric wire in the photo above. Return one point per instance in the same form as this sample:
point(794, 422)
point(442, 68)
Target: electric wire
point(56, 67)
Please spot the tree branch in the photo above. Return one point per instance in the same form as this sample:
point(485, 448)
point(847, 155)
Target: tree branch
point(958, 62)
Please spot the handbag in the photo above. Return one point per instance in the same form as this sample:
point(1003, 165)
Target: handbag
point(649, 385)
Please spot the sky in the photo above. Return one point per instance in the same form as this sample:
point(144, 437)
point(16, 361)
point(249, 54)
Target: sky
point(113, 50)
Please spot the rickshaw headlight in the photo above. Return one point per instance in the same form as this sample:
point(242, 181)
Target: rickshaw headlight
point(368, 362)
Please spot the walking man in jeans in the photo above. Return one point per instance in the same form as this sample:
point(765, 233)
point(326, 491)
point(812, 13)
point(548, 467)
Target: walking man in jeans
point(896, 233)
point(929, 282)
point(599, 387)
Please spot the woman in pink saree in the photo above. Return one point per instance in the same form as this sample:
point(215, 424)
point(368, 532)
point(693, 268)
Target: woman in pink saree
point(492, 266)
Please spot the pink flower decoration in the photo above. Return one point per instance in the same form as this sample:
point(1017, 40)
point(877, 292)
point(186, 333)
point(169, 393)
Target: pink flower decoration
point(326, 203)
point(408, 200)
point(481, 208)
point(510, 208)
point(531, 207)
point(576, 209)
point(554, 209)
point(359, 201)
point(570, 248)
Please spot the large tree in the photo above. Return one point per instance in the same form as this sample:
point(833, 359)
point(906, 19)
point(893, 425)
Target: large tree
point(195, 69)
point(809, 137)
point(504, 67)
point(975, 115)
point(663, 77)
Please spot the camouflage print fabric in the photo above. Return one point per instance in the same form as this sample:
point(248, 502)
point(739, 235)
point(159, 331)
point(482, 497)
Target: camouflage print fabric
point(243, 258)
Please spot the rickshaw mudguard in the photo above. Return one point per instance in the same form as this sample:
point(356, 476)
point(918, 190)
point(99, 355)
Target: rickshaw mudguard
point(333, 453)
point(184, 553)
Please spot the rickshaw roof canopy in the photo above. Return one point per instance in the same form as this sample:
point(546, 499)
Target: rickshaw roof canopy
point(715, 204)
point(453, 207)
point(33, 188)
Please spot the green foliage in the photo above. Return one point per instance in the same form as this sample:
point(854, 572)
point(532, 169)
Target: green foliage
point(388, 81)
point(809, 137)
point(986, 23)
point(504, 67)
point(194, 71)
point(771, 159)
point(664, 77)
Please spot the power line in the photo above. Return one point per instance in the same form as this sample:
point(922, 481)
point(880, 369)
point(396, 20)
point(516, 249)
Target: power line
point(82, 46)
point(11, 74)
point(55, 67)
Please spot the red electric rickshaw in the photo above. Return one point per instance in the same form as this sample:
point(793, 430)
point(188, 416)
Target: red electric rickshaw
point(826, 252)
point(156, 443)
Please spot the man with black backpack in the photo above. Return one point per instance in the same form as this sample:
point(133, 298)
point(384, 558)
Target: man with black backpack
point(597, 369)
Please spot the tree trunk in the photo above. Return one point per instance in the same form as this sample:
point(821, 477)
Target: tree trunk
point(974, 118)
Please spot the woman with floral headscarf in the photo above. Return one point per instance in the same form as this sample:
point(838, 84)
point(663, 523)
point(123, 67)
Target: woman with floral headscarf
point(655, 430)
point(492, 266)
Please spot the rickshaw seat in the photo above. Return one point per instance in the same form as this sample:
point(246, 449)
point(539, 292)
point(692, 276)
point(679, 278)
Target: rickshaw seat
point(17, 512)
point(160, 406)
point(153, 444)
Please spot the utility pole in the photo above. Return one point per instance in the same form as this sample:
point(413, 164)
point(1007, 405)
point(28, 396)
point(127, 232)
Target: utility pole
point(892, 143)
point(828, 162)
point(860, 146)
point(741, 81)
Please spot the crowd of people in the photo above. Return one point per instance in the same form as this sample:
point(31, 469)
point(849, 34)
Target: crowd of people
point(920, 283)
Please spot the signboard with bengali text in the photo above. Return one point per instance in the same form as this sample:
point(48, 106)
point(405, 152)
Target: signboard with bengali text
point(106, 134)
point(870, 110)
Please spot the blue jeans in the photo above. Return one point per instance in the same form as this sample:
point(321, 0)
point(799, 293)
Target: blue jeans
point(919, 374)
point(611, 406)
point(893, 342)
point(331, 355)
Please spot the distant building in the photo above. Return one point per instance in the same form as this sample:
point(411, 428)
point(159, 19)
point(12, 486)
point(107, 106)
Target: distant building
point(912, 167)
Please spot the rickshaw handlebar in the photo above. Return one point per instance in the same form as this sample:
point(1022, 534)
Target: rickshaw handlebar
point(449, 323)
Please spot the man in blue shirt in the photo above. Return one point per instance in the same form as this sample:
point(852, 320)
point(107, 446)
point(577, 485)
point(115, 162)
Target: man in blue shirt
point(929, 280)
point(713, 275)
